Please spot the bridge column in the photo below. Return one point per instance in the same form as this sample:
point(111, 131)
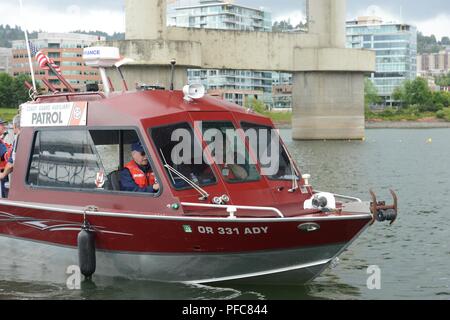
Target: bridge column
point(327, 19)
point(328, 105)
point(328, 92)
point(145, 19)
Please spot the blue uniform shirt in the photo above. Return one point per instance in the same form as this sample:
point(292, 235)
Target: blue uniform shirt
point(11, 158)
point(127, 182)
point(3, 150)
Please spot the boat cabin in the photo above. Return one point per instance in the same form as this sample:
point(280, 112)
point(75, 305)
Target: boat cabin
point(73, 146)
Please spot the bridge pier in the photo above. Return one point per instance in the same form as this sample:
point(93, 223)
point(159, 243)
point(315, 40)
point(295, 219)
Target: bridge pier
point(328, 106)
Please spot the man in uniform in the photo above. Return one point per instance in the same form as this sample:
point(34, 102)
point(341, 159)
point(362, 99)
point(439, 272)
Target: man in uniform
point(137, 176)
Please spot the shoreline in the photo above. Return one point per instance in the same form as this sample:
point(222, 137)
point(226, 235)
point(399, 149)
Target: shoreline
point(388, 125)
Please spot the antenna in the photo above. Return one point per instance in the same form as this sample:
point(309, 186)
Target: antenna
point(119, 65)
point(27, 42)
point(173, 62)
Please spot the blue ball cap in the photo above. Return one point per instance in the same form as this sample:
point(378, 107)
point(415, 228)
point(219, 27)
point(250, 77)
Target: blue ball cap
point(137, 146)
point(3, 121)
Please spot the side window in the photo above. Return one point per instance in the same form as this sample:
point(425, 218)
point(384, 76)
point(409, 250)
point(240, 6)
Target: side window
point(115, 151)
point(87, 159)
point(64, 159)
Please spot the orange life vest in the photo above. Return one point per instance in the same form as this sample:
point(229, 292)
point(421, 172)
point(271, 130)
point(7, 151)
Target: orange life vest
point(6, 156)
point(140, 178)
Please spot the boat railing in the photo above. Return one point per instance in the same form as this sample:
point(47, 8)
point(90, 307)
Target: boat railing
point(232, 209)
point(69, 96)
point(340, 196)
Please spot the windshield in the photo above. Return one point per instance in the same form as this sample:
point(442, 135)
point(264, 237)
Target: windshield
point(178, 148)
point(271, 154)
point(229, 152)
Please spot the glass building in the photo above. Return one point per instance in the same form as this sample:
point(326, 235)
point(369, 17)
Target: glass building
point(223, 15)
point(218, 14)
point(395, 45)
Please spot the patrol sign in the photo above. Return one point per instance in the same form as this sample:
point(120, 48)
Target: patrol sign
point(53, 114)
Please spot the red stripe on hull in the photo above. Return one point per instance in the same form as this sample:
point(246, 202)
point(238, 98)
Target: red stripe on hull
point(176, 236)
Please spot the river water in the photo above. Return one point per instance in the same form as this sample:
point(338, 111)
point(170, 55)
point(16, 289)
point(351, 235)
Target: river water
point(413, 255)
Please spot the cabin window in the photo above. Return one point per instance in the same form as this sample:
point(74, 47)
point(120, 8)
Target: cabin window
point(179, 149)
point(81, 159)
point(279, 167)
point(229, 152)
point(114, 151)
point(64, 159)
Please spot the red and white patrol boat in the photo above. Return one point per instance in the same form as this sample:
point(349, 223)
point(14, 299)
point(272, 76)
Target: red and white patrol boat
point(204, 225)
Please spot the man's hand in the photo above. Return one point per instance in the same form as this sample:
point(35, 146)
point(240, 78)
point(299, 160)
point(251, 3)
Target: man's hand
point(156, 187)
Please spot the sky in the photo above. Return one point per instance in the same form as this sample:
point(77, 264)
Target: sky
point(431, 16)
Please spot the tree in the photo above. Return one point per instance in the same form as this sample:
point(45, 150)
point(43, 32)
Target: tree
point(256, 105)
point(441, 99)
point(418, 92)
point(371, 96)
point(6, 88)
point(283, 25)
point(399, 94)
point(428, 44)
point(445, 41)
point(415, 93)
point(12, 90)
point(21, 93)
point(443, 81)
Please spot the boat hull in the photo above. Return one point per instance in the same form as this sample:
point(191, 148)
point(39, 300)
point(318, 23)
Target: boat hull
point(284, 267)
point(275, 251)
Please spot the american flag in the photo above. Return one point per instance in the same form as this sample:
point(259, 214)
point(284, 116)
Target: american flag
point(42, 59)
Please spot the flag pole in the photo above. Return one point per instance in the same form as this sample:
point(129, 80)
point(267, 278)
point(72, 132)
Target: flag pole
point(28, 48)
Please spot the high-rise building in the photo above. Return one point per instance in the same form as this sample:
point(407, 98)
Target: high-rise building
point(433, 64)
point(218, 14)
point(5, 60)
point(66, 49)
point(395, 45)
point(234, 85)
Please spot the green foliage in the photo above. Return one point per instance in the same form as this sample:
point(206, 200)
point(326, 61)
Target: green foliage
point(8, 114)
point(256, 105)
point(416, 92)
point(8, 34)
point(12, 90)
point(406, 114)
point(371, 96)
point(444, 114)
point(443, 81)
point(259, 107)
point(441, 98)
point(445, 41)
point(115, 36)
point(388, 112)
point(429, 44)
point(285, 25)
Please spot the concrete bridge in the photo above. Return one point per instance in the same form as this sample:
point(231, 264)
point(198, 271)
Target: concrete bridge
point(328, 92)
